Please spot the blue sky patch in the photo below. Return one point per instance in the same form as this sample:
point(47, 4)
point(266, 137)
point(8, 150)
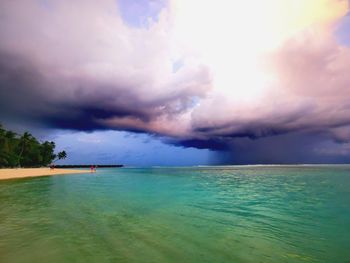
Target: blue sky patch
point(139, 13)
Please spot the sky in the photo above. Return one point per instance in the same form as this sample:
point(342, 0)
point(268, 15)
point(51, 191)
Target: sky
point(179, 82)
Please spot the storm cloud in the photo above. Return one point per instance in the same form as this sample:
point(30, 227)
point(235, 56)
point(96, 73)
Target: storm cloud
point(81, 66)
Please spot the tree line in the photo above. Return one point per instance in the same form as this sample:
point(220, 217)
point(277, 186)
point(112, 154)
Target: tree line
point(25, 150)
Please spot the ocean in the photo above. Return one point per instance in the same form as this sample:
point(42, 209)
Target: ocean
point(194, 214)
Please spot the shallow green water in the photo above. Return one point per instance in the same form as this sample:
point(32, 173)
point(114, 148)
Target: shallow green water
point(231, 214)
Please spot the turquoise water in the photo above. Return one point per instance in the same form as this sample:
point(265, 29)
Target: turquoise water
point(222, 214)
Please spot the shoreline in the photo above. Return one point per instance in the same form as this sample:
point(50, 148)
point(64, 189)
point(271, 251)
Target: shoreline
point(17, 173)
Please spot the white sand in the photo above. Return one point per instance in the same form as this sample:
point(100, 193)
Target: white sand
point(34, 172)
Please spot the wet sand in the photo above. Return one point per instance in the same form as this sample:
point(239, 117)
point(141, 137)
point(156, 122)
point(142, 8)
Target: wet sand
point(35, 172)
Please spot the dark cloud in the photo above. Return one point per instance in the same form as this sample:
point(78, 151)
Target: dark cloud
point(26, 93)
point(79, 67)
point(213, 144)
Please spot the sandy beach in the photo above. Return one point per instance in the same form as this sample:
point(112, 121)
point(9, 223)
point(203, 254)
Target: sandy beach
point(35, 172)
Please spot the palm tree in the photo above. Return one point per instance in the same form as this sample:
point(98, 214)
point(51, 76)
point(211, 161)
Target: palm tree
point(47, 149)
point(25, 150)
point(3, 155)
point(24, 142)
point(10, 134)
point(60, 156)
point(2, 133)
point(8, 145)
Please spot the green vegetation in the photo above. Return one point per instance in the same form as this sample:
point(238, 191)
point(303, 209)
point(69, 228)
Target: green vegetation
point(25, 150)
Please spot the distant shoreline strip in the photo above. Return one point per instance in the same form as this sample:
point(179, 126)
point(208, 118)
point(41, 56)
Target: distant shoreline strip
point(89, 165)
